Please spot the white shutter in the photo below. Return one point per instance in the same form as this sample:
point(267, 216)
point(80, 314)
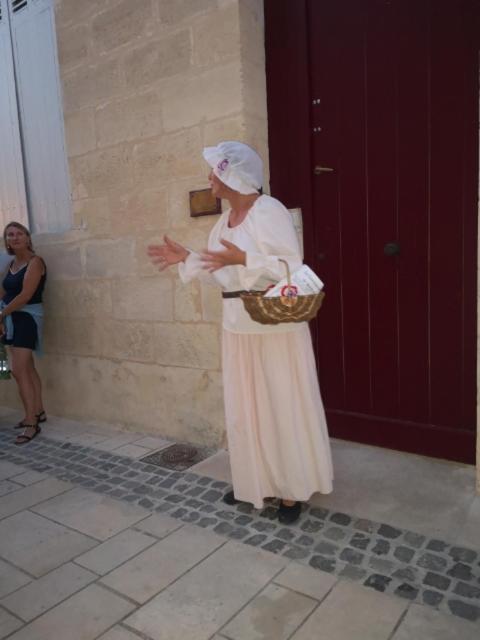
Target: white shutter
point(13, 205)
point(41, 114)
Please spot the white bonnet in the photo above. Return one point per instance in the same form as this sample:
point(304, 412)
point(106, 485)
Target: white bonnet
point(237, 165)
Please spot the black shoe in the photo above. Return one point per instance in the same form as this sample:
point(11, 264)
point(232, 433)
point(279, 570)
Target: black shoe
point(287, 515)
point(229, 498)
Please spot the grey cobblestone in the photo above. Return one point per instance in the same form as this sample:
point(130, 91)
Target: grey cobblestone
point(432, 561)
point(322, 563)
point(407, 591)
point(461, 570)
point(341, 518)
point(432, 598)
point(296, 553)
point(335, 533)
point(352, 556)
point(463, 555)
point(414, 539)
point(437, 545)
point(464, 610)
point(389, 532)
point(436, 580)
point(377, 581)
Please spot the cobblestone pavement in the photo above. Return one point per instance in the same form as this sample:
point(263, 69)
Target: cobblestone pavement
point(391, 560)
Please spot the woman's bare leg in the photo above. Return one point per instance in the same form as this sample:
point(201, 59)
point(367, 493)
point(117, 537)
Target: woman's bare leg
point(21, 366)
point(37, 387)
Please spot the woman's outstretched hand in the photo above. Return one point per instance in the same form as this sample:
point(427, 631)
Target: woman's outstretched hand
point(167, 254)
point(231, 255)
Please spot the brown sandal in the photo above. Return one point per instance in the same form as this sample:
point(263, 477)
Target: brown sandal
point(24, 436)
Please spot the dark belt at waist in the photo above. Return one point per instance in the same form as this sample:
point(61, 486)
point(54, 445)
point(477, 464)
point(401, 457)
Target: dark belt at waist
point(236, 294)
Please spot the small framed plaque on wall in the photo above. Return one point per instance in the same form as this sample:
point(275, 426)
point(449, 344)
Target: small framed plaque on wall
point(203, 203)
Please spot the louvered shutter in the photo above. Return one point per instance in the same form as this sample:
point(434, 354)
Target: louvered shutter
point(41, 114)
point(13, 205)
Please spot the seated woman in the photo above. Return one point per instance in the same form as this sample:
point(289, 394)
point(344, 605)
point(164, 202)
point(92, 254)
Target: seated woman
point(21, 323)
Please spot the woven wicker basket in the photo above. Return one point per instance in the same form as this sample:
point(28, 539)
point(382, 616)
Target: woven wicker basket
point(282, 308)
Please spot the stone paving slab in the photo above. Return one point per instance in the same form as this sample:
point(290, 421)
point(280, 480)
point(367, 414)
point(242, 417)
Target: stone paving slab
point(387, 559)
point(115, 551)
point(201, 601)
point(6, 486)
point(8, 623)
point(154, 569)
point(119, 633)
point(274, 614)
point(11, 578)
point(37, 545)
point(306, 580)
point(83, 616)
point(29, 496)
point(426, 624)
point(349, 612)
point(46, 592)
point(95, 515)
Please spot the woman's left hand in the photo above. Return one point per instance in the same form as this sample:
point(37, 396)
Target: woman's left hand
point(231, 255)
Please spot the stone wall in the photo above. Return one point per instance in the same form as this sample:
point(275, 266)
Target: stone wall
point(146, 84)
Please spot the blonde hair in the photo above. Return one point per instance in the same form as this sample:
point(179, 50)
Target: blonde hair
point(17, 225)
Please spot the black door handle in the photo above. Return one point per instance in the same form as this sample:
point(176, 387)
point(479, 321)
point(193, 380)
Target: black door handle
point(391, 249)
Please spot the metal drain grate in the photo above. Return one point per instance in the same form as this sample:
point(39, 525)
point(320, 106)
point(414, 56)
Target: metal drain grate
point(177, 457)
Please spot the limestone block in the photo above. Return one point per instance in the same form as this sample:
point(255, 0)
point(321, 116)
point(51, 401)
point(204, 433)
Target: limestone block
point(87, 86)
point(216, 37)
point(72, 11)
point(73, 336)
point(126, 340)
point(188, 345)
point(178, 403)
point(194, 237)
point(73, 45)
point(100, 172)
point(134, 117)
point(64, 262)
point(252, 31)
point(171, 12)
point(80, 132)
point(168, 157)
point(79, 299)
point(188, 306)
point(210, 95)
point(154, 60)
point(254, 89)
point(197, 414)
point(211, 304)
point(144, 264)
point(125, 22)
point(93, 215)
point(141, 208)
point(110, 258)
point(143, 299)
point(224, 129)
point(178, 214)
point(70, 380)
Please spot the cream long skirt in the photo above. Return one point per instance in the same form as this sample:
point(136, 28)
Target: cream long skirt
point(277, 433)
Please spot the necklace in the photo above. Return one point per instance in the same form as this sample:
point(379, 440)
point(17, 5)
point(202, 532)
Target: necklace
point(16, 268)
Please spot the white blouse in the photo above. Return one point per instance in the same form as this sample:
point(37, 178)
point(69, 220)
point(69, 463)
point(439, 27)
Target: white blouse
point(266, 234)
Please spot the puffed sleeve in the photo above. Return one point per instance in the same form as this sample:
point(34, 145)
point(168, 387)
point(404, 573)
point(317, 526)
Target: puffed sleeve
point(193, 269)
point(276, 238)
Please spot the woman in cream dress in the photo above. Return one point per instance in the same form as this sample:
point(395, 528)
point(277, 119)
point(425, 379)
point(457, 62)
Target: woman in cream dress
point(277, 434)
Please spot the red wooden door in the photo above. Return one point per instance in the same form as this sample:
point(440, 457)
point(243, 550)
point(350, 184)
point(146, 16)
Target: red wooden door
point(385, 145)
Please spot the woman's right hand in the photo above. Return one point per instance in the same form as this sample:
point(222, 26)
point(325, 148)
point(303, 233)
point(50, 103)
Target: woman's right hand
point(167, 254)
